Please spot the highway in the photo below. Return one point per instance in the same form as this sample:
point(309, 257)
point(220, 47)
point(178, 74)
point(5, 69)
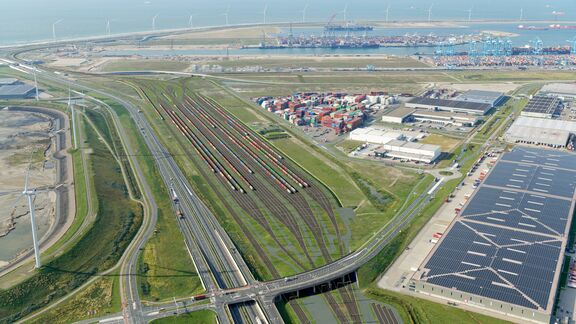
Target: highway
point(224, 274)
point(209, 245)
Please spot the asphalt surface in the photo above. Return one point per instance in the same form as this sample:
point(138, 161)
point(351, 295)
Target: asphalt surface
point(223, 272)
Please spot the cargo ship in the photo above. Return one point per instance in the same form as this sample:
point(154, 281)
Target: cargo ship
point(549, 27)
point(562, 50)
point(348, 27)
point(556, 26)
point(523, 27)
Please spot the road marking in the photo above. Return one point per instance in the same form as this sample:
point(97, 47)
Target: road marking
point(112, 319)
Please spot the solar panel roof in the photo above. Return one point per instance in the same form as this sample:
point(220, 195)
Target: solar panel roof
point(507, 242)
point(17, 89)
point(542, 104)
point(451, 103)
point(498, 263)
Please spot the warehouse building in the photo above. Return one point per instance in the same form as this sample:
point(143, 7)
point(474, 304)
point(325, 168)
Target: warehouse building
point(467, 107)
point(409, 151)
point(374, 135)
point(399, 116)
point(8, 81)
point(445, 118)
point(542, 107)
point(505, 250)
point(563, 90)
point(538, 131)
point(407, 115)
point(15, 89)
point(396, 145)
point(492, 98)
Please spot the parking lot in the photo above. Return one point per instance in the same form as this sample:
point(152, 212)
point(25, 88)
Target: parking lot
point(398, 275)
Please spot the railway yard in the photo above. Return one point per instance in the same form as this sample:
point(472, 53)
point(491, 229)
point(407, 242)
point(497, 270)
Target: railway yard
point(304, 191)
point(288, 217)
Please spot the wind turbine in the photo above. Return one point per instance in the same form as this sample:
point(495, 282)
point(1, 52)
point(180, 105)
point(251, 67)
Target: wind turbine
point(430, 12)
point(36, 84)
point(72, 116)
point(265, 12)
point(226, 14)
point(470, 14)
point(304, 13)
point(191, 21)
point(345, 11)
point(387, 12)
point(521, 14)
point(154, 22)
point(108, 32)
point(54, 29)
point(30, 193)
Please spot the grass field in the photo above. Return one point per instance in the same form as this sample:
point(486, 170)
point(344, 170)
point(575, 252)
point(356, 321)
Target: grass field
point(197, 317)
point(417, 310)
point(169, 270)
point(332, 62)
point(348, 146)
point(143, 65)
point(117, 222)
point(446, 143)
point(100, 298)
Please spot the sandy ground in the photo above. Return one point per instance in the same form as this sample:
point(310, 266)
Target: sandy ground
point(20, 134)
point(420, 24)
point(244, 32)
point(499, 87)
point(497, 33)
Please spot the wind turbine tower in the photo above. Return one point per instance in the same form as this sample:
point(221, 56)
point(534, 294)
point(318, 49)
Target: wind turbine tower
point(430, 12)
point(521, 14)
point(54, 29)
point(345, 13)
point(304, 13)
point(265, 12)
point(191, 21)
point(72, 116)
point(469, 14)
point(387, 12)
point(154, 22)
point(36, 84)
point(108, 31)
point(226, 14)
point(30, 193)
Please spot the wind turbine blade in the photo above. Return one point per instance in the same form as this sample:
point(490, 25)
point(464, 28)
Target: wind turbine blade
point(27, 174)
point(14, 205)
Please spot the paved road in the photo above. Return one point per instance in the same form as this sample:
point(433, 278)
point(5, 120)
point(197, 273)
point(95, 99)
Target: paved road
point(210, 247)
point(207, 242)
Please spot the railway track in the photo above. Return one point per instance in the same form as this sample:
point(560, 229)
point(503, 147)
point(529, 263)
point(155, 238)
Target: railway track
point(259, 180)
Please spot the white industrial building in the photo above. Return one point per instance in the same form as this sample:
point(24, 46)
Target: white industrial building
point(449, 105)
point(411, 151)
point(395, 145)
point(398, 116)
point(492, 98)
point(538, 131)
point(406, 115)
point(374, 135)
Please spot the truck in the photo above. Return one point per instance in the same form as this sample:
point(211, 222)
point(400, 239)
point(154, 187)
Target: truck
point(199, 297)
point(173, 194)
